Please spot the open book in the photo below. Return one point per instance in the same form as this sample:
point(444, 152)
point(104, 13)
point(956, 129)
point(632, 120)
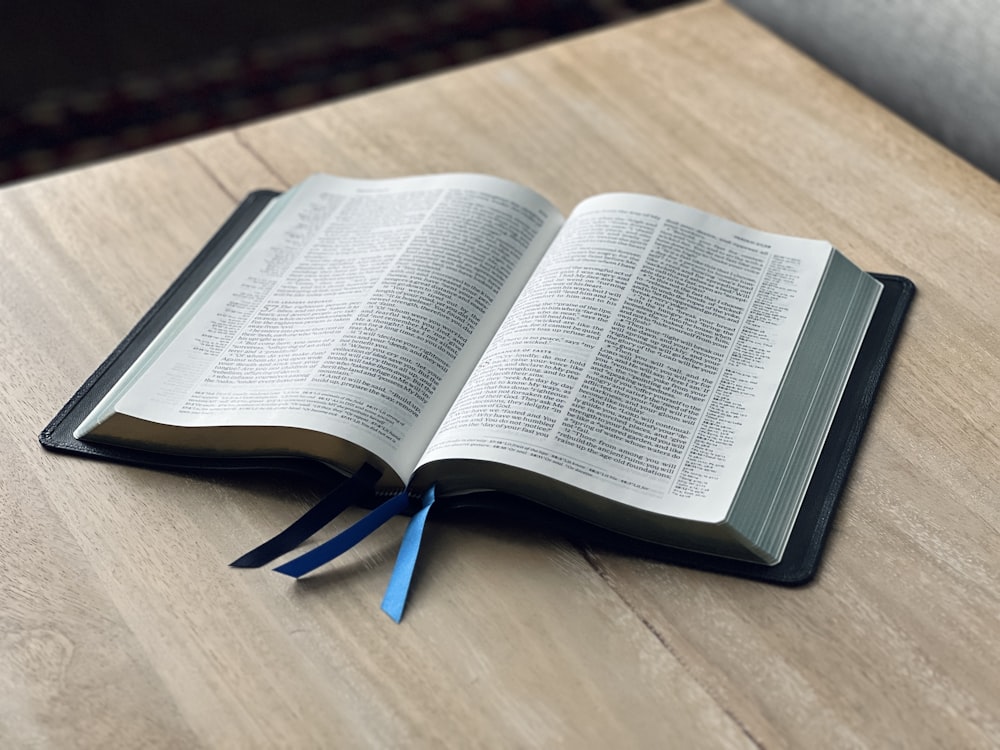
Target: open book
point(642, 365)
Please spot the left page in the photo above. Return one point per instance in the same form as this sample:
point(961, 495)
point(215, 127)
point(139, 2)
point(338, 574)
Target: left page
point(353, 308)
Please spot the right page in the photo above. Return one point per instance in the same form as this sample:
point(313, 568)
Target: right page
point(642, 360)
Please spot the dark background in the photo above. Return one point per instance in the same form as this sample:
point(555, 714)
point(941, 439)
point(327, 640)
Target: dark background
point(82, 80)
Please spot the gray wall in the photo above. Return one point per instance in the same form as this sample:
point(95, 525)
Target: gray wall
point(935, 62)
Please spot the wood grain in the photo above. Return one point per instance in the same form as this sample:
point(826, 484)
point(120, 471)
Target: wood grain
point(121, 626)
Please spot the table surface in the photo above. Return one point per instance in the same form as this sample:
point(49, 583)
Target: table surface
point(122, 626)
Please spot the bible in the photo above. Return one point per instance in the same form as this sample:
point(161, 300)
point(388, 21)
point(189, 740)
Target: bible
point(640, 367)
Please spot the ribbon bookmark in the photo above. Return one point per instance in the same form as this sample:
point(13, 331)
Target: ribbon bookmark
point(346, 539)
point(349, 492)
point(394, 600)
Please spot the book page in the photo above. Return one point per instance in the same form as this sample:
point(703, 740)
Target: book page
point(641, 360)
point(358, 311)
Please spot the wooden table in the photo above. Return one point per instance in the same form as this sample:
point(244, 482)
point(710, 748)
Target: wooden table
point(121, 625)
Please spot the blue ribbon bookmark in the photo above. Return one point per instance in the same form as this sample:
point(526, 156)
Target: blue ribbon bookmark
point(399, 585)
point(350, 492)
point(346, 539)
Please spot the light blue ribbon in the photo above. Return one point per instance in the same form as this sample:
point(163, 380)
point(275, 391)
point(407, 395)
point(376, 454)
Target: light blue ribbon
point(398, 589)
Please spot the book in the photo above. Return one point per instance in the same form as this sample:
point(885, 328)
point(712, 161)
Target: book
point(661, 376)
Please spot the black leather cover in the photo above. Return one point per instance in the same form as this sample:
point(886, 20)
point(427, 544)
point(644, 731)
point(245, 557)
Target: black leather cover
point(802, 555)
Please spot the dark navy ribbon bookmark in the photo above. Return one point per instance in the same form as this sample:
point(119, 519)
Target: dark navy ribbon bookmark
point(346, 539)
point(353, 491)
point(394, 600)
